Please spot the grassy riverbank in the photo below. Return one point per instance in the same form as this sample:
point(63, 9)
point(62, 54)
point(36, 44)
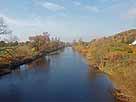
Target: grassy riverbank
point(116, 57)
point(13, 54)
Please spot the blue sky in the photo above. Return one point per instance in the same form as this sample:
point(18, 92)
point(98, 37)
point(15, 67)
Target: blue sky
point(69, 19)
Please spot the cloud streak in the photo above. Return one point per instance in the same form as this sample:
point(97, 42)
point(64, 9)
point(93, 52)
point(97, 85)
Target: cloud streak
point(92, 8)
point(86, 7)
point(131, 13)
point(52, 6)
point(76, 3)
point(21, 23)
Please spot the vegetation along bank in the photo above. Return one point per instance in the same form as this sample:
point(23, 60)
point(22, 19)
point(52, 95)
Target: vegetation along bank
point(116, 56)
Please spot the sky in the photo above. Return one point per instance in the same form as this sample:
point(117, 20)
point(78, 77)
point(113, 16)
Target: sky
point(68, 19)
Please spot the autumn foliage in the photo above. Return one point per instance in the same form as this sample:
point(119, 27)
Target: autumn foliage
point(114, 56)
point(36, 45)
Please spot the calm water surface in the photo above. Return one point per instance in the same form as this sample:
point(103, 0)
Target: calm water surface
point(62, 77)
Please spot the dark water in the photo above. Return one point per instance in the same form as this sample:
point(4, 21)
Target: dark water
point(63, 77)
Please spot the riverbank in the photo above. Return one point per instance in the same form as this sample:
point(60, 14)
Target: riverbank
point(114, 56)
point(14, 54)
point(64, 73)
point(7, 68)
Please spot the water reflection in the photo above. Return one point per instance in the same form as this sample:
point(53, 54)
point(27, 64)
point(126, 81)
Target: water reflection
point(42, 62)
point(61, 77)
point(93, 73)
point(100, 84)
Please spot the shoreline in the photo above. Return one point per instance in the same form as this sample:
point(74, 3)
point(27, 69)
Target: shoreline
point(118, 92)
point(7, 68)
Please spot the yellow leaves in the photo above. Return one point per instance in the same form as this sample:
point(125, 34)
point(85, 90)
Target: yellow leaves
point(33, 49)
point(133, 48)
point(114, 56)
point(24, 51)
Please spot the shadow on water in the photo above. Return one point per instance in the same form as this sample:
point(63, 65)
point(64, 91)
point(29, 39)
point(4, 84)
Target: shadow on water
point(60, 77)
point(42, 62)
point(101, 86)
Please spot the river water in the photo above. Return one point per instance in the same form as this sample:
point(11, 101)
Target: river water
point(60, 77)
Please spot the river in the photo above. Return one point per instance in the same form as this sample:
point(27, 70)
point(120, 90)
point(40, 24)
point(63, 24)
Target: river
point(60, 77)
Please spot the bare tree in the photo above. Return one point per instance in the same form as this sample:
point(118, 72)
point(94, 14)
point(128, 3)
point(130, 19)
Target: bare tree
point(6, 34)
point(4, 28)
point(5, 31)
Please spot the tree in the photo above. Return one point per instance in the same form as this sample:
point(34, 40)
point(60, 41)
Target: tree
point(4, 30)
point(3, 27)
point(40, 42)
point(6, 50)
point(2, 43)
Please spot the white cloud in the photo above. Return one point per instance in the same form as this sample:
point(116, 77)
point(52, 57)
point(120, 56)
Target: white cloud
point(21, 23)
point(24, 28)
point(92, 8)
point(86, 7)
point(76, 3)
point(111, 0)
point(103, 1)
point(131, 13)
point(52, 6)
